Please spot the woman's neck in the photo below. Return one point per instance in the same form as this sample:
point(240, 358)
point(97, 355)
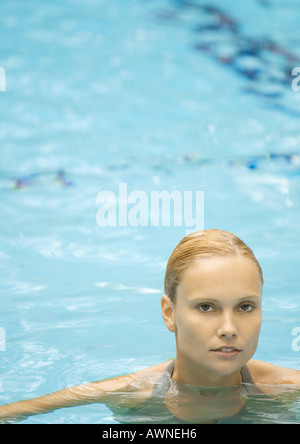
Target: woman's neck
point(187, 373)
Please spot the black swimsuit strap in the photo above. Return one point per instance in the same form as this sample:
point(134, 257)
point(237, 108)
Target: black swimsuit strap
point(164, 382)
point(246, 375)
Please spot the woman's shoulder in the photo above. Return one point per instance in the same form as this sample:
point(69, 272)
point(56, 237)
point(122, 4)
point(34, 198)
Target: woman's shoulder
point(140, 384)
point(158, 368)
point(270, 374)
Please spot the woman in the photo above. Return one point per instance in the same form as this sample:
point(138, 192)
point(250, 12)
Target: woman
point(213, 305)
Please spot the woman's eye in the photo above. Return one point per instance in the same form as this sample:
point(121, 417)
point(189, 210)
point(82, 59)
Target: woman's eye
point(205, 308)
point(246, 307)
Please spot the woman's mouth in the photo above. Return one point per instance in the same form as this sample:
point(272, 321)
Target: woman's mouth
point(226, 351)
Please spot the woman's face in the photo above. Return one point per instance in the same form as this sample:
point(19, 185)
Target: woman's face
point(216, 319)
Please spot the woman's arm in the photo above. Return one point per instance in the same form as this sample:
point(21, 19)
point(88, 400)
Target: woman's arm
point(105, 392)
point(101, 392)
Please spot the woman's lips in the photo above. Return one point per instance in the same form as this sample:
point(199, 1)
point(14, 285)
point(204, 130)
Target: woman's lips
point(226, 352)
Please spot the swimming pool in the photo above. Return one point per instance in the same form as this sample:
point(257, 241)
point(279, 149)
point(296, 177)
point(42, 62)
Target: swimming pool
point(160, 95)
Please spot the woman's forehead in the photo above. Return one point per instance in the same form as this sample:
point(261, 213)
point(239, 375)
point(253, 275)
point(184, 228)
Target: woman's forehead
point(220, 273)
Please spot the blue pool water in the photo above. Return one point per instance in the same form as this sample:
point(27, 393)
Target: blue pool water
point(161, 95)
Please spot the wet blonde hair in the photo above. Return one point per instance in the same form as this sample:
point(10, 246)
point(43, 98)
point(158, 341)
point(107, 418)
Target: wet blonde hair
point(203, 244)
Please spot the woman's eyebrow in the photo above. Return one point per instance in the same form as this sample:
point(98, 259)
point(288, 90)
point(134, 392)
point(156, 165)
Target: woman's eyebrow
point(208, 298)
point(253, 296)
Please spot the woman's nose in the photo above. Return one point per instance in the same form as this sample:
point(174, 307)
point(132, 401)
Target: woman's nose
point(228, 328)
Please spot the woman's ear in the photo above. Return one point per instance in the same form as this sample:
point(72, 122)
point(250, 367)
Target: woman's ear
point(168, 314)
